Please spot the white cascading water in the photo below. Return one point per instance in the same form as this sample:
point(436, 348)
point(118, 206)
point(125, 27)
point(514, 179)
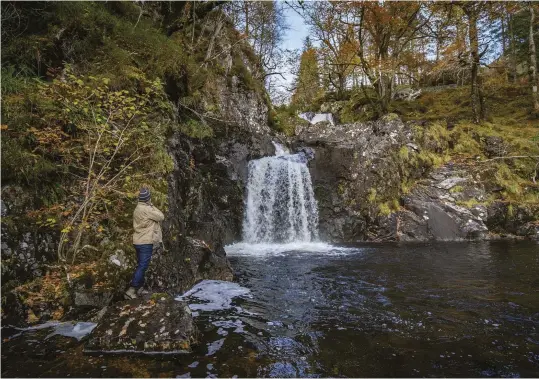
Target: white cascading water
point(281, 207)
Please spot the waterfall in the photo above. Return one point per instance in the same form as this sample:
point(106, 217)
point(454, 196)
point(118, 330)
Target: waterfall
point(281, 207)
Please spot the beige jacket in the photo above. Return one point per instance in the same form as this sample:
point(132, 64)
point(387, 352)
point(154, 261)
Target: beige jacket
point(146, 222)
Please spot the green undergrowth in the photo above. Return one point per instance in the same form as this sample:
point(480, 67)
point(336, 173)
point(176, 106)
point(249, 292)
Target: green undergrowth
point(156, 73)
point(509, 174)
point(284, 119)
point(442, 127)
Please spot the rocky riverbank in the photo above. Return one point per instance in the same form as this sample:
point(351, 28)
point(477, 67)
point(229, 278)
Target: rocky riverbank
point(385, 181)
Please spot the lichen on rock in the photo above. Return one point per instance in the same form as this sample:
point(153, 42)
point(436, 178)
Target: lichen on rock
point(147, 326)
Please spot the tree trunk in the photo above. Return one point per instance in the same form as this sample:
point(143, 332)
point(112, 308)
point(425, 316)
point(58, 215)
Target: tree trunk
point(476, 97)
point(246, 10)
point(533, 62)
point(512, 59)
point(342, 85)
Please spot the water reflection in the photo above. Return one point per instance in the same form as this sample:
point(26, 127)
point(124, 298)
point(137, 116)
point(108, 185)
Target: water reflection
point(451, 309)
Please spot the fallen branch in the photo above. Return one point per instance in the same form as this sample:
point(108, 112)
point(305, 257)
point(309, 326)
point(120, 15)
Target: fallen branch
point(511, 157)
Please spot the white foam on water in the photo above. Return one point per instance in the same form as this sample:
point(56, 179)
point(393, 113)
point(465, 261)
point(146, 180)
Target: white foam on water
point(78, 330)
point(237, 325)
point(213, 295)
point(269, 249)
point(315, 118)
point(215, 346)
point(67, 329)
point(280, 149)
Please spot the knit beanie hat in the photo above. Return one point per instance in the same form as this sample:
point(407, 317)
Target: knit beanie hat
point(144, 195)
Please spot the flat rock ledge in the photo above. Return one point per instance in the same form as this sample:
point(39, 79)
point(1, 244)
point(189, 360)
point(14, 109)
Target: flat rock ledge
point(156, 325)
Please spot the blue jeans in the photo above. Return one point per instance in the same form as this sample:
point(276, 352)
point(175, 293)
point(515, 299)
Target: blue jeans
point(144, 255)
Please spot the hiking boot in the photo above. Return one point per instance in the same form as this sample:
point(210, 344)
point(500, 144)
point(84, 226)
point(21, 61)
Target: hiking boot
point(131, 293)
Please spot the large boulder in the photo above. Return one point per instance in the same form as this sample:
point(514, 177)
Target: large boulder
point(352, 162)
point(159, 325)
point(407, 94)
point(431, 212)
point(188, 262)
point(511, 218)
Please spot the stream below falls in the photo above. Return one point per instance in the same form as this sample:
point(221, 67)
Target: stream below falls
point(436, 309)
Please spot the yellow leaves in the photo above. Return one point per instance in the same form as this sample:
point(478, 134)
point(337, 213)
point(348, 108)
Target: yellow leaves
point(3, 127)
point(32, 318)
point(58, 313)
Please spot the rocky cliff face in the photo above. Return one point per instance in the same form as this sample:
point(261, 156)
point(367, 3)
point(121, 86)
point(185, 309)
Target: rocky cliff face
point(352, 163)
point(358, 174)
point(205, 197)
point(206, 187)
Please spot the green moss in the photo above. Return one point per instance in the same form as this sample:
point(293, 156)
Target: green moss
point(159, 295)
point(341, 188)
point(456, 189)
point(431, 159)
point(371, 197)
point(391, 117)
point(510, 211)
point(196, 129)
point(406, 186)
point(470, 203)
point(508, 180)
point(285, 120)
point(403, 153)
point(384, 209)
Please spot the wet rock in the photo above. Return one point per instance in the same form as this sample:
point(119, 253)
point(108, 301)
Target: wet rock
point(119, 259)
point(507, 218)
point(358, 170)
point(190, 261)
point(350, 161)
point(450, 183)
point(92, 298)
point(307, 152)
point(530, 230)
point(436, 214)
point(154, 326)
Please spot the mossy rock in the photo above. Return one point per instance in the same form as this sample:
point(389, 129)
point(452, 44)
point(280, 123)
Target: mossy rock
point(145, 327)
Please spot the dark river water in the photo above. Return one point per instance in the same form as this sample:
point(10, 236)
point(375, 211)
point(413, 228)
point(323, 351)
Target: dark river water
point(384, 310)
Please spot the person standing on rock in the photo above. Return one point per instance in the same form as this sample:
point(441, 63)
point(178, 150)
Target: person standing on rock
point(146, 238)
